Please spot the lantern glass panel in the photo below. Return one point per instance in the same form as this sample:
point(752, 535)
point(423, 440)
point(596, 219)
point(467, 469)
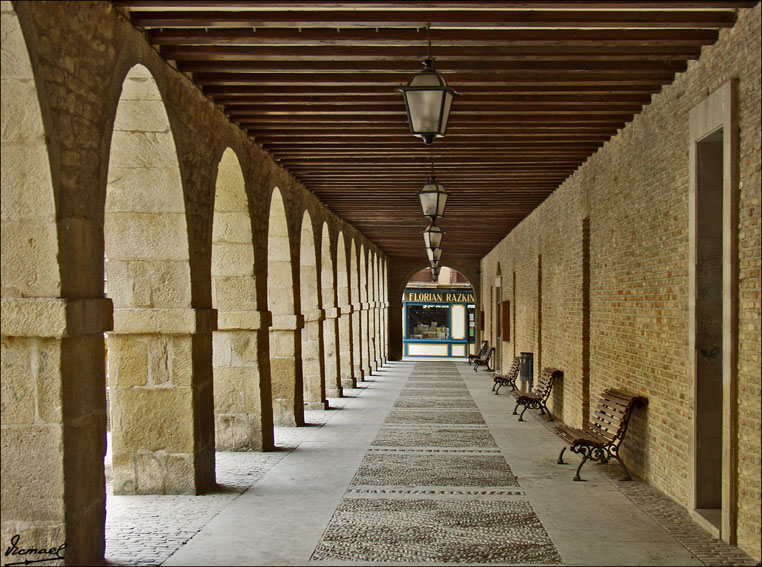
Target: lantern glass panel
point(432, 236)
point(446, 112)
point(433, 199)
point(425, 108)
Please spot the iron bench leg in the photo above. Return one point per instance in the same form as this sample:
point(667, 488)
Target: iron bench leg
point(576, 475)
point(521, 417)
point(626, 476)
point(560, 460)
point(515, 408)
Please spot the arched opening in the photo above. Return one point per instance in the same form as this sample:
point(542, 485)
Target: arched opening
point(372, 312)
point(156, 396)
point(331, 321)
point(364, 314)
point(312, 340)
point(42, 423)
point(285, 339)
point(343, 297)
point(439, 318)
point(354, 295)
point(238, 397)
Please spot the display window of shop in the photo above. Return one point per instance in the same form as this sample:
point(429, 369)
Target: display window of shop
point(428, 321)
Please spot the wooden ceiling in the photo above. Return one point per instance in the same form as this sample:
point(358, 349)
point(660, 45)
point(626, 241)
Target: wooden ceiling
point(542, 86)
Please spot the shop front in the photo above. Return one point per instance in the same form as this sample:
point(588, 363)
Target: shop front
point(438, 323)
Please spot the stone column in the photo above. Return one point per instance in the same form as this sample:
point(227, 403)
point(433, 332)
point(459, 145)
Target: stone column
point(357, 362)
point(286, 370)
point(242, 393)
point(365, 338)
point(160, 387)
point(379, 359)
point(385, 331)
point(54, 425)
point(333, 384)
point(345, 347)
point(312, 361)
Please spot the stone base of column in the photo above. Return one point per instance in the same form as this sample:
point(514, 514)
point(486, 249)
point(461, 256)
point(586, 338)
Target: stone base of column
point(333, 393)
point(316, 405)
point(348, 383)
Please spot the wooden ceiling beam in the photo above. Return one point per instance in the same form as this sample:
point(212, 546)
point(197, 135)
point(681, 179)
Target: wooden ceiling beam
point(392, 80)
point(430, 4)
point(417, 53)
point(451, 68)
point(419, 18)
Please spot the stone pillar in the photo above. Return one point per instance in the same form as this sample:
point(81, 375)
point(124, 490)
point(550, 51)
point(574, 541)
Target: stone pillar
point(242, 393)
point(286, 370)
point(372, 337)
point(160, 388)
point(385, 330)
point(394, 313)
point(357, 362)
point(345, 347)
point(365, 331)
point(379, 359)
point(333, 384)
point(312, 361)
point(54, 425)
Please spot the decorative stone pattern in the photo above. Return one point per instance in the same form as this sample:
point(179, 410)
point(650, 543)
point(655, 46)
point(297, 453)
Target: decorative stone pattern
point(441, 403)
point(432, 392)
point(451, 417)
point(409, 531)
point(434, 437)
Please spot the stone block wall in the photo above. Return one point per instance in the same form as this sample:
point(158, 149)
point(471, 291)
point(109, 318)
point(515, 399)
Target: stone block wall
point(634, 193)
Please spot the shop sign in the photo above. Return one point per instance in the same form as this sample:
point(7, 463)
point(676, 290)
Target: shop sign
point(440, 296)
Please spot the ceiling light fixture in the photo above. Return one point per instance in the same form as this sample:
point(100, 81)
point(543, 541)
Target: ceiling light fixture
point(427, 101)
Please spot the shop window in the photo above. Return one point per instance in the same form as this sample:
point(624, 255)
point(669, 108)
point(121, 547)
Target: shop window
point(428, 322)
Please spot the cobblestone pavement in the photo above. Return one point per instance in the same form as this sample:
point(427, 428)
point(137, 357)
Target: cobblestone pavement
point(148, 529)
point(444, 502)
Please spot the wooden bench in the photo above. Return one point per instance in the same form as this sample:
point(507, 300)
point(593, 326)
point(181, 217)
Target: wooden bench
point(482, 352)
point(538, 397)
point(601, 438)
point(484, 360)
point(509, 378)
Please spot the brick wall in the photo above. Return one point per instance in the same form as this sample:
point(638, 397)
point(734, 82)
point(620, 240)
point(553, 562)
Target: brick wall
point(634, 191)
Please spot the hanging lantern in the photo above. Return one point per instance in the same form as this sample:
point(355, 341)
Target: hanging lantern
point(435, 274)
point(434, 264)
point(428, 100)
point(432, 236)
point(434, 254)
point(433, 197)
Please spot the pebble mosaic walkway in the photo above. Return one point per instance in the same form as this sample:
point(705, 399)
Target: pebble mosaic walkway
point(429, 490)
point(434, 487)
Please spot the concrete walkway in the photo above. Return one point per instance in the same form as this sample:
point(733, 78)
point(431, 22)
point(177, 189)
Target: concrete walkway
point(421, 464)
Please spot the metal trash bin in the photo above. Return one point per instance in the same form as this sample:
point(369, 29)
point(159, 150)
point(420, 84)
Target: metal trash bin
point(526, 366)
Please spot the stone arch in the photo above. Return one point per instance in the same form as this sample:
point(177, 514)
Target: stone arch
point(155, 404)
point(37, 496)
point(364, 313)
point(378, 308)
point(312, 343)
point(285, 347)
point(243, 414)
point(356, 302)
point(344, 299)
point(372, 318)
point(384, 312)
point(330, 321)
